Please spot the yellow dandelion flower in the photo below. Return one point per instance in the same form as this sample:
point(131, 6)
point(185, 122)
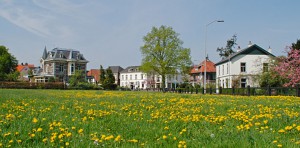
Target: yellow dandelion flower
point(34, 120)
point(165, 137)
point(275, 141)
point(11, 141)
point(133, 141)
point(118, 138)
point(279, 145)
point(80, 131)
point(281, 131)
point(45, 140)
point(39, 129)
point(67, 143)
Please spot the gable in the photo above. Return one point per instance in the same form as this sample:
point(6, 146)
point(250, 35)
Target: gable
point(252, 50)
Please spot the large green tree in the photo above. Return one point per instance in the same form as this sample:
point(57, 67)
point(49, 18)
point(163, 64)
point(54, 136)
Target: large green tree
point(163, 53)
point(224, 52)
point(8, 64)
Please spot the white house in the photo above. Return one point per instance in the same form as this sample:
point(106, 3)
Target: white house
point(240, 68)
point(133, 78)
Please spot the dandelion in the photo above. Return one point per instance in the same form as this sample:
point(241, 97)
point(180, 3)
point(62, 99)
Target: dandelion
point(118, 138)
point(80, 131)
point(279, 145)
point(39, 129)
point(34, 120)
point(19, 141)
point(212, 135)
point(133, 141)
point(165, 137)
point(67, 143)
point(45, 140)
point(281, 131)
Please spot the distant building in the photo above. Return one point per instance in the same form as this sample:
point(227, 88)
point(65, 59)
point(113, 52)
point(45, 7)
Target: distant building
point(133, 78)
point(24, 70)
point(60, 63)
point(239, 69)
point(93, 76)
point(197, 73)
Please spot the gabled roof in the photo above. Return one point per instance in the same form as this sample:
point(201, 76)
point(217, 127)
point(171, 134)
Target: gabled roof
point(131, 69)
point(200, 68)
point(20, 67)
point(95, 73)
point(252, 50)
point(116, 69)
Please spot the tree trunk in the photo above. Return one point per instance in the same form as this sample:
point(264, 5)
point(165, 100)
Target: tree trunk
point(163, 81)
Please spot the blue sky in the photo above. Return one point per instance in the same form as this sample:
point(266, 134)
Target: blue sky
point(111, 32)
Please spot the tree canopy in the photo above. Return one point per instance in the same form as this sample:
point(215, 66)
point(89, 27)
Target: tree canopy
point(296, 45)
point(163, 53)
point(8, 65)
point(228, 50)
point(289, 67)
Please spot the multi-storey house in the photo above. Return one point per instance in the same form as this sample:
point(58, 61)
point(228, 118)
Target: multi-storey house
point(197, 73)
point(240, 68)
point(60, 64)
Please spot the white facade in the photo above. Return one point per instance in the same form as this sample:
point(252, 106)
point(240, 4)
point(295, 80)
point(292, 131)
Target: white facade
point(240, 69)
point(133, 78)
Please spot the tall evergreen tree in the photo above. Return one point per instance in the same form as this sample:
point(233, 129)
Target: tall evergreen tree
point(102, 75)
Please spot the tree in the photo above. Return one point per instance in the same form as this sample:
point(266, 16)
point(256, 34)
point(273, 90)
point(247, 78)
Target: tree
point(289, 67)
point(77, 78)
point(270, 77)
point(296, 45)
point(109, 81)
point(163, 53)
point(228, 50)
point(8, 64)
point(102, 75)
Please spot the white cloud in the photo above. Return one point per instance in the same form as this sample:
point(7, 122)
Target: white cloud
point(34, 19)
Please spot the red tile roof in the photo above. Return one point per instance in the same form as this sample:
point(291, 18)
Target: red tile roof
point(20, 67)
point(95, 73)
point(200, 68)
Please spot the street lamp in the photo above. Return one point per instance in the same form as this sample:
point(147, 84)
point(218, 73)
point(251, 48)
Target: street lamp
point(218, 21)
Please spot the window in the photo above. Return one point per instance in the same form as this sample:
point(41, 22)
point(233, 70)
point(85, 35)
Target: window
point(219, 67)
point(122, 77)
point(135, 76)
point(222, 69)
point(227, 70)
point(61, 67)
point(72, 68)
point(142, 76)
point(243, 82)
point(130, 77)
point(243, 67)
point(265, 67)
point(126, 77)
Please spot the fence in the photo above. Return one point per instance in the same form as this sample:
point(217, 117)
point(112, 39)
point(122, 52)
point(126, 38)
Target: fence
point(29, 85)
point(248, 91)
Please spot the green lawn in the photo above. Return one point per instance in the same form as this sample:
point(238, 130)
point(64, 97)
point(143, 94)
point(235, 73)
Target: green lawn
point(75, 118)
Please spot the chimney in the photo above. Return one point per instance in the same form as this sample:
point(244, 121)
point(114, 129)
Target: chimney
point(250, 44)
point(270, 50)
point(238, 49)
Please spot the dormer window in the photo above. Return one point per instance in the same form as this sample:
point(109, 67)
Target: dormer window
point(61, 55)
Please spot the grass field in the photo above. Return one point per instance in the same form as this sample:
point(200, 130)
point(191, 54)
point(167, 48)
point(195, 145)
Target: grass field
point(46, 118)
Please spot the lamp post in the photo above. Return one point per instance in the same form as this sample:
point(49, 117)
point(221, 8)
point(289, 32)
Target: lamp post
point(218, 21)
